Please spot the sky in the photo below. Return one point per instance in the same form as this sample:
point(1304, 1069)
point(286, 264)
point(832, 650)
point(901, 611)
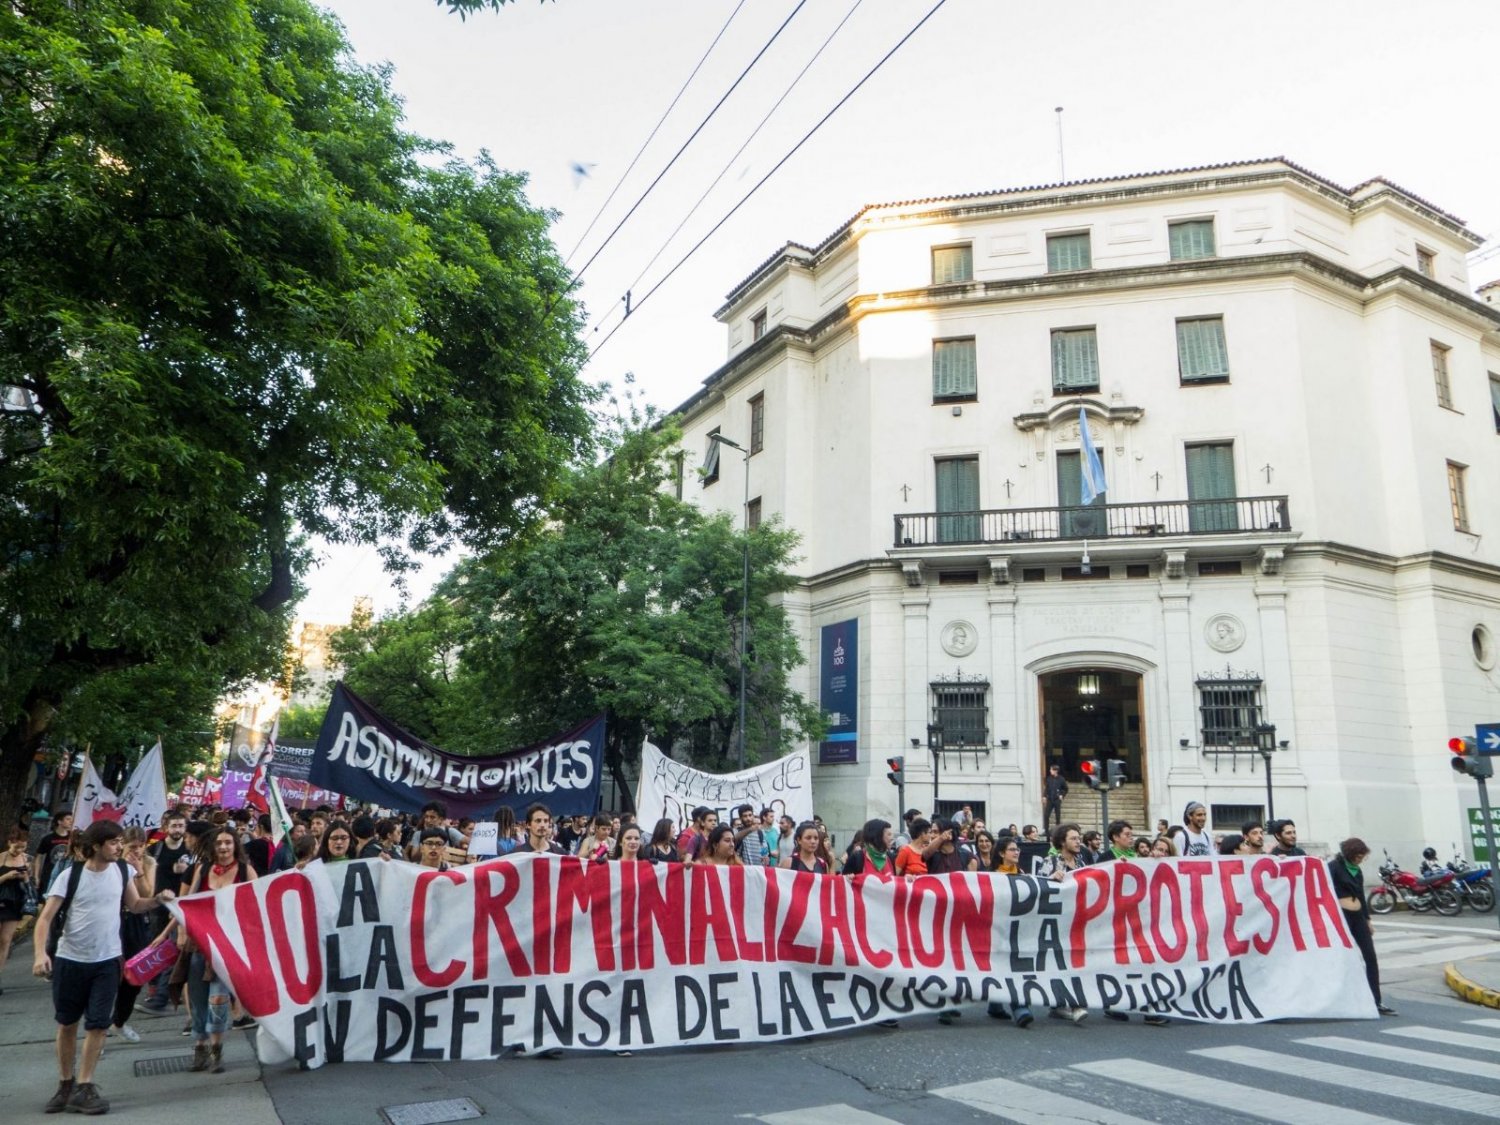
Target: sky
point(968, 103)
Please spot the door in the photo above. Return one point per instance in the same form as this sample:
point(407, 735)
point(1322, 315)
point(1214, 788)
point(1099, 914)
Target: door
point(1074, 520)
point(1210, 481)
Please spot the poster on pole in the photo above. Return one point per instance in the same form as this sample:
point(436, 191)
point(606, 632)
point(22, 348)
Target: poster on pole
point(672, 789)
point(372, 961)
point(838, 684)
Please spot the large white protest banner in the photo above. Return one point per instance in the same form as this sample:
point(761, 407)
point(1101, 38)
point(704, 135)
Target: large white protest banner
point(367, 960)
point(145, 794)
point(672, 789)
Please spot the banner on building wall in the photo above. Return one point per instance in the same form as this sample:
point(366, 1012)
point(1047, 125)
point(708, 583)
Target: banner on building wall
point(671, 789)
point(364, 755)
point(839, 693)
point(364, 960)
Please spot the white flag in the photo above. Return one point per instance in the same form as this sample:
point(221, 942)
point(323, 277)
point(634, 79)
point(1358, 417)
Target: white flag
point(281, 820)
point(93, 801)
point(145, 794)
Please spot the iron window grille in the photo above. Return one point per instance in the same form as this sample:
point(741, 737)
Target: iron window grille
point(1229, 709)
point(961, 707)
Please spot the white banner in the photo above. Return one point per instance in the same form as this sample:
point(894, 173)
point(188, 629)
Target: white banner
point(368, 960)
point(92, 801)
point(671, 789)
point(145, 794)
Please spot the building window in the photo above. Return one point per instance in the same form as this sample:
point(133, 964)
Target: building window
point(710, 470)
point(1495, 399)
point(1229, 712)
point(1458, 498)
point(961, 710)
point(955, 371)
point(679, 460)
point(758, 325)
point(1069, 252)
point(1074, 520)
point(757, 423)
point(952, 264)
point(1201, 354)
point(1191, 239)
point(958, 500)
point(752, 514)
point(1075, 361)
point(1426, 262)
point(1210, 485)
point(1440, 374)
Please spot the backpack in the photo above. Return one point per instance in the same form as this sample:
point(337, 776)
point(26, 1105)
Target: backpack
point(75, 876)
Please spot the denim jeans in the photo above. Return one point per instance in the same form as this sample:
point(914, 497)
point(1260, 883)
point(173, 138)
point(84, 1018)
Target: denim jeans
point(208, 1017)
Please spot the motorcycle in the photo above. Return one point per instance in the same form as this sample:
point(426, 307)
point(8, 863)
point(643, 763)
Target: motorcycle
point(1421, 894)
point(1473, 884)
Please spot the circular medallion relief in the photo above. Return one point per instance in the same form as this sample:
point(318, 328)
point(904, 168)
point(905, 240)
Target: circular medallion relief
point(1224, 632)
point(959, 638)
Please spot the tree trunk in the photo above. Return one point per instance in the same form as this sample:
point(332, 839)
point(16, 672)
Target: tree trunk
point(19, 743)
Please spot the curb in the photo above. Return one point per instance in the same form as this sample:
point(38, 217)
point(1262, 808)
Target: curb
point(1468, 990)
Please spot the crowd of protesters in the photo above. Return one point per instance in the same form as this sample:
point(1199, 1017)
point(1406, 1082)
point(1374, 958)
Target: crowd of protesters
point(91, 876)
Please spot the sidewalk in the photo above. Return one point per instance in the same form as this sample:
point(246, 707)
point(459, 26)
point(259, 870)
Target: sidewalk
point(1477, 981)
point(178, 1097)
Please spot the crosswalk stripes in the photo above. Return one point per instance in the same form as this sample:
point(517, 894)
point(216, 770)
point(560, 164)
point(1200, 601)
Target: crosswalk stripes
point(1039, 1098)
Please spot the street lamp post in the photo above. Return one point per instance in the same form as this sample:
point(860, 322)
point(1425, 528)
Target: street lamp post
point(1265, 742)
point(744, 588)
point(935, 744)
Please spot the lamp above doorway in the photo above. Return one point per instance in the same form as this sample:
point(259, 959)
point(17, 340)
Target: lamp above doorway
point(1088, 683)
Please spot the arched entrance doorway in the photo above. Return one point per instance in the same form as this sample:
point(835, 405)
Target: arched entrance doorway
point(1094, 714)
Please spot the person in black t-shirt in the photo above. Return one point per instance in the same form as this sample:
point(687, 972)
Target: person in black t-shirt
point(60, 836)
point(1349, 885)
point(539, 831)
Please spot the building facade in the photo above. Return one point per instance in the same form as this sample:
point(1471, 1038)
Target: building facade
point(1294, 397)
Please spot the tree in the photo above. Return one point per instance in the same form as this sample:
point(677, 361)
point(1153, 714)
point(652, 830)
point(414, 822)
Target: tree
point(627, 601)
point(240, 306)
point(405, 665)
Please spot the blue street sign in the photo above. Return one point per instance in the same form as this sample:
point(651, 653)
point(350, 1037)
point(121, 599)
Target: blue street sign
point(1487, 738)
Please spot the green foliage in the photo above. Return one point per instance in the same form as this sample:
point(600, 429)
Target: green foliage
point(240, 305)
point(302, 722)
point(628, 600)
point(464, 7)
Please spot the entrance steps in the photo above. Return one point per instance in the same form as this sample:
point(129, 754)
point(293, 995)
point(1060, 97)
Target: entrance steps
point(1128, 803)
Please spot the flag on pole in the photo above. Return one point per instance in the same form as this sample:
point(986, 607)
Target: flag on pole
point(93, 801)
point(255, 796)
point(1091, 474)
point(145, 795)
point(281, 820)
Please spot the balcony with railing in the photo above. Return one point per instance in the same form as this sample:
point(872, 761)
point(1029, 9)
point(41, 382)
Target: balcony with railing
point(1158, 519)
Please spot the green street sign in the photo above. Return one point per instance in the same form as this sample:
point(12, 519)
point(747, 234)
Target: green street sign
point(1476, 832)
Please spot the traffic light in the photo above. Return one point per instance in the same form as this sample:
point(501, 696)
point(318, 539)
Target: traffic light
point(1114, 773)
point(898, 764)
point(1093, 775)
point(1467, 760)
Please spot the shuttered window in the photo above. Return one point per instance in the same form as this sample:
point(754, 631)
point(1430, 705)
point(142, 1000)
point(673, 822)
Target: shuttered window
point(1210, 481)
point(1201, 354)
point(958, 492)
point(1075, 360)
point(1191, 239)
point(955, 370)
point(1077, 522)
point(952, 264)
point(1069, 252)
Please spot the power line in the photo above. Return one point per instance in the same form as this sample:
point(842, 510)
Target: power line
point(577, 277)
point(652, 135)
point(753, 134)
point(775, 168)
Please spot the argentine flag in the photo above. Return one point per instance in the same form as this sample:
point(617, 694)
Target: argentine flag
point(1091, 472)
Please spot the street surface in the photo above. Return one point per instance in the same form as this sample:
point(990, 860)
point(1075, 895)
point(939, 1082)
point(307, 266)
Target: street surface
point(1438, 1061)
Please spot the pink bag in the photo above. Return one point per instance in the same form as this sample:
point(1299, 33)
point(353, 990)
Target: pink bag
point(151, 962)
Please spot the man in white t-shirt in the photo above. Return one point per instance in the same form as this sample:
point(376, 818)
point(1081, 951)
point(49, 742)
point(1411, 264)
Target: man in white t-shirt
point(86, 969)
point(1192, 838)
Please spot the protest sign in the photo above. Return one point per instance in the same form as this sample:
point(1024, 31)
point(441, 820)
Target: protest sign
point(364, 755)
point(485, 839)
point(292, 760)
point(191, 791)
point(365, 960)
point(672, 789)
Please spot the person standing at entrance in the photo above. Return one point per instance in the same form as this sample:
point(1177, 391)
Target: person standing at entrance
point(1055, 788)
point(1349, 885)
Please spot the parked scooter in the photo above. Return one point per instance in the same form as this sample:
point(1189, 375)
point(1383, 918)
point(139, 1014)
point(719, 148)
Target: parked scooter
point(1475, 887)
point(1424, 893)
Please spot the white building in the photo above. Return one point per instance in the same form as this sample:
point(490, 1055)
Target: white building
point(1295, 398)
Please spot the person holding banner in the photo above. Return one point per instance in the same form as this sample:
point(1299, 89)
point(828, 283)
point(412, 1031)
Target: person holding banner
point(628, 847)
point(720, 849)
point(224, 864)
point(806, 858)
point(338, 843)
point(871, 856)
point(1349, 884)
point(662, 848)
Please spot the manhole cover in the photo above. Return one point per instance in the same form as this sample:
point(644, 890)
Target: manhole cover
point(172, 1064)
point(431, 1113)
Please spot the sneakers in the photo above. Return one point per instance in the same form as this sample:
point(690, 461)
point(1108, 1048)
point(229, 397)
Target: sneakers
point(1385, 1010)
point(157, 1005)
point(1077, 1015)
point(1156, 1021)
point(1118, 1017)
point(243, 1022)
point(130, 1034)
point(59, 1101)
point(87, 1100)
point(1023, 1017)
point(948, 1018)
point(187, 1029)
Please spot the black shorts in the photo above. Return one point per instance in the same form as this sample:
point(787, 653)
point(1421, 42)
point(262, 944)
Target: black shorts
point(85, 990)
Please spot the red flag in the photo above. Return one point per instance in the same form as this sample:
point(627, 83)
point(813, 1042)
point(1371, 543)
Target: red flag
point(258, 796)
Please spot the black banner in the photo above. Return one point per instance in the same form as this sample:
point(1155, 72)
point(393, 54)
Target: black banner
point(362, 754)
